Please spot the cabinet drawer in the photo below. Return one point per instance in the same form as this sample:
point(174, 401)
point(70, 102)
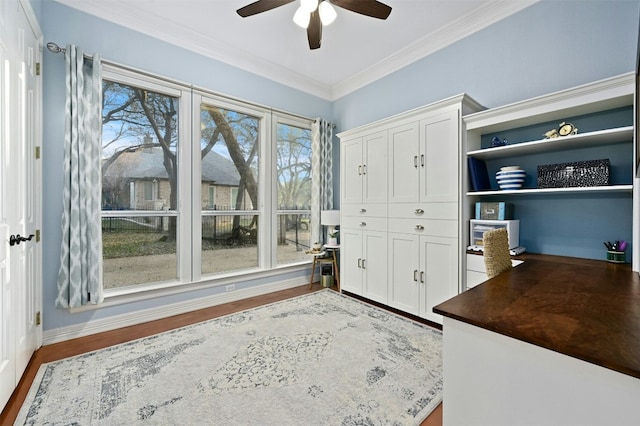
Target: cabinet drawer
point(475, 262)
point(364, 210)
point(438, 228)
point(364, 223)
point(445, 211)
point(474, 278)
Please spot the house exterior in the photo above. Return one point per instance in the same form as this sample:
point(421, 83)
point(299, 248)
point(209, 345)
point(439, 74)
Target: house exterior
point(138, 180)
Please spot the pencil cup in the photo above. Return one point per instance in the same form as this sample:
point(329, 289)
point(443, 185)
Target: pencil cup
point(615, 256)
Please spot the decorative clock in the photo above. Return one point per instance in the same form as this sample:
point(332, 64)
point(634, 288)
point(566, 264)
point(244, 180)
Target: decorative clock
point(564, 129)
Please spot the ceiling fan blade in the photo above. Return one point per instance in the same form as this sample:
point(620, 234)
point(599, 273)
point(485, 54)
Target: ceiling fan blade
point(371, 8)
point(314, 30)
point(261, 6)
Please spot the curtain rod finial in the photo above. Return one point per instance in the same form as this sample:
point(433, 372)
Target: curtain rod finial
point(55, 48)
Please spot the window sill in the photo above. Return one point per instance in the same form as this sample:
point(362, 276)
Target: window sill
point(141, 293)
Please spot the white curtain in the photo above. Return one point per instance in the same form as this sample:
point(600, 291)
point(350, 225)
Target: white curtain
point(321, 174)
point(80, 274)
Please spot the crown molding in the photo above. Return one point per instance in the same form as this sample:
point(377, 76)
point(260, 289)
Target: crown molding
point(180, 35)
point(464, 26)
point(186, 38)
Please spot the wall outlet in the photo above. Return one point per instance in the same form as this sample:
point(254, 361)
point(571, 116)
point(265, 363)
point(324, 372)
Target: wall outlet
point(230, 287)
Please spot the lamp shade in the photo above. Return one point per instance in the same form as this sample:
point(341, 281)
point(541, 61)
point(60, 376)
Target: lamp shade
point(330, 217)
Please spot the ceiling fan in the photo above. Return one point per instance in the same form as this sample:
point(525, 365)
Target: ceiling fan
point(313, 14)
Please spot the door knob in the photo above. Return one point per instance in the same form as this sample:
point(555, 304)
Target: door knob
point(17, 239)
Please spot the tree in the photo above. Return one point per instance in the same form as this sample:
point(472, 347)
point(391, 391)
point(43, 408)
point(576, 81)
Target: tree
point(131, 114)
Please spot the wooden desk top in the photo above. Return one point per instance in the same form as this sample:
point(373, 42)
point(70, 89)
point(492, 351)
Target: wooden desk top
point(586, 309)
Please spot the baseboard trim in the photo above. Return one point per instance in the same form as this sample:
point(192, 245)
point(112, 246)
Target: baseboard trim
point(159, 312)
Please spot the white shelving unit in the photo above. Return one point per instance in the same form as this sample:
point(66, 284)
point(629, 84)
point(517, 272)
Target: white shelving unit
point(581, 140)
point(594, 189)
point(600, 96)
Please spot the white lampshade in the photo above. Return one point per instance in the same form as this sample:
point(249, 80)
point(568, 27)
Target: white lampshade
point(309, 5)
point(330, 217)
point(327, 13)
point(302, 17)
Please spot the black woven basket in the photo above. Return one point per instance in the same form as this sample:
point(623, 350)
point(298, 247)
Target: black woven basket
point(580, 173)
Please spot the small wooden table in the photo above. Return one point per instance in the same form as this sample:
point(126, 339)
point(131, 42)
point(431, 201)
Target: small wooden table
point(319, 259)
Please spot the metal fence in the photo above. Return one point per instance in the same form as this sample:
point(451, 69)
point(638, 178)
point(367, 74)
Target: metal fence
point(293, 226)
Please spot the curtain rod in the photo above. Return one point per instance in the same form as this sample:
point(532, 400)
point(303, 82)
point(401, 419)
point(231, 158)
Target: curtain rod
point(53, 47)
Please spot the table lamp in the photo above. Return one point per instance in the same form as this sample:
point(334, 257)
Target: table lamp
point(330, 218)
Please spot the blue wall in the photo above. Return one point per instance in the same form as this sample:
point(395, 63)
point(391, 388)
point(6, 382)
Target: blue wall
point(549, 46)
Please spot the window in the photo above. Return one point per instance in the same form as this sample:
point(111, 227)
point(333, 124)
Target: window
point(293, 171)
point(230, 155)
point(176, 211)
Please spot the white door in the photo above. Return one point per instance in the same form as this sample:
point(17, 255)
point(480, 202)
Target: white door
point(351, 171)
point(439, 142)
point(404, 163)
point(20, 191)
point(351, 260)
point(374, 171)
point(439, 257)
point(404, 272)
point(374, 266)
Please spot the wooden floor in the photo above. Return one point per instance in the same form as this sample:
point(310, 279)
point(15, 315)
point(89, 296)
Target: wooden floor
point(81, 345)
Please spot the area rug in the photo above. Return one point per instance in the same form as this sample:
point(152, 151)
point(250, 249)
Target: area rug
point(318, 359)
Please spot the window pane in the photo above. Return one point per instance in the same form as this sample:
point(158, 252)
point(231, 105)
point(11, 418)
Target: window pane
point(137, 250)
point(139, 172)
point(222, 251)
point(229, 182)
point(294, 192)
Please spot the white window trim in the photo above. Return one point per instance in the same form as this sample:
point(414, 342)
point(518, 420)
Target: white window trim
point(188, 249)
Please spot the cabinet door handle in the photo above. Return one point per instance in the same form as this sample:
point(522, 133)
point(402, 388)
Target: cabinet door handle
point(363, 223)
point(419, 228)
point(422, 160)
point(359, 170)
point(419, 211)
point(364, 169)
point(363, 210)
point(415, 275)
point(415, 161)
point(422, 277)
point(359, 263)
point(363, 264)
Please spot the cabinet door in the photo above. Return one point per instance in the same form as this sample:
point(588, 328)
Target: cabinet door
point(351, 260)
point(439, 150)
point(439, 258)
point(374, 267)
point(404, 273)
point(374, 171)
point(404, 163)
point(351, 171)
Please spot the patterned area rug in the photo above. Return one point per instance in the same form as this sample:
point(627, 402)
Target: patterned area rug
point(317, 359)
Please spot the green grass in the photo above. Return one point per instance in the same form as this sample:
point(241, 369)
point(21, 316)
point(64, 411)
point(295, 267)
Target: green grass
point(125, 244)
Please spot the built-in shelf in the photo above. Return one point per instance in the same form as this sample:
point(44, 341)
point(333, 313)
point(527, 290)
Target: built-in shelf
point(581, 140)
point(583, 189)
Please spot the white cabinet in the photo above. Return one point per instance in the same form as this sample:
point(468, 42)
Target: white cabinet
point(423, 159)
point(364, 257)
point(477, 272)
point(424, 273)
point(363, 165)
point(400, 192)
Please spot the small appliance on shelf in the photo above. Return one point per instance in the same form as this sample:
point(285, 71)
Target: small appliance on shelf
point(478, 227)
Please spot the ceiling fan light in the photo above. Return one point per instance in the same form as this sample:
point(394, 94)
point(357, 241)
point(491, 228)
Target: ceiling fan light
point(309, 5)
point(327, 13)
point(302, 17)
